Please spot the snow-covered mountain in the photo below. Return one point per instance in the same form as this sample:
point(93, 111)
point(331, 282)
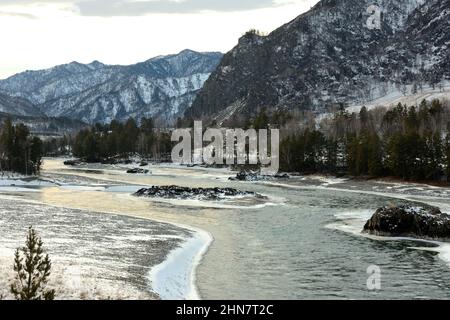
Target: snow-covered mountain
point(18, 106)
point(335, 53)
point(162, 88)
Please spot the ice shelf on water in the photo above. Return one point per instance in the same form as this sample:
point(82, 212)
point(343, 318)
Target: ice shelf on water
point(174, 279)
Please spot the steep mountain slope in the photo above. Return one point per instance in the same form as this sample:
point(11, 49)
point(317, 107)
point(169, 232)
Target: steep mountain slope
point(18, 106)
point(162, 87)
point(329, 56)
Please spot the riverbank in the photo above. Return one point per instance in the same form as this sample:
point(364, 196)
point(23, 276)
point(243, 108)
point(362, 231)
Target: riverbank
point(89, 274)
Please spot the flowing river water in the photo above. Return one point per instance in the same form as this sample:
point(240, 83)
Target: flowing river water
point(302, 242)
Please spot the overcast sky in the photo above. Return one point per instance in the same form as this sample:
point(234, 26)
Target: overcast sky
point(39, 34)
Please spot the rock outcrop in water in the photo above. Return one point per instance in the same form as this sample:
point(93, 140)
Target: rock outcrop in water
point(406, 221)
point(138, 171)
point(183, 193)
point(255, 176)
point(72, 163)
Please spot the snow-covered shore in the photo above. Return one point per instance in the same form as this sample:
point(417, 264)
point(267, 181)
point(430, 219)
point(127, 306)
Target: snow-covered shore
point(89, 273)
point(175, 278)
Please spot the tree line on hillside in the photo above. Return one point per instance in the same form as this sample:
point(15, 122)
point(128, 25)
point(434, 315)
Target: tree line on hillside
point(58, 146)
point(117, 140)
point(19, 151)
point(121, 140)
point(411, 143)
point(406, 142)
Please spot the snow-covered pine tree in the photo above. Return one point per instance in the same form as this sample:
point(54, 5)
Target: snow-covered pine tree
point(32, 269)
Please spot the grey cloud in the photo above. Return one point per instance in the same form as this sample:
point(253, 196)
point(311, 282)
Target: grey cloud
point(17, 14)
point(134, 8)
point(108, 8)
point(22, 2)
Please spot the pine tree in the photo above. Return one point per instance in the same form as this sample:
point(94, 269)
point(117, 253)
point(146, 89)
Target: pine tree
point(434, 155)
point(35, 155)
point(314, 149)
point(412, 121)
point(6, 144)
point(331, 156)
point(414, 154)
point(363, 154)
point(352, 154)
point(447, 147)
point(364, 117)
point(147, 136)
point(32, 271)
point(90, 147)
point(396, 155)
point(261, 121)
point(130, 134)
point(375, 164)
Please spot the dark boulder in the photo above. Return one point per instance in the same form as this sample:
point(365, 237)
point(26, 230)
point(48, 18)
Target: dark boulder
point(256, 176)
point(246, 176)
point(138, 170)
point(72, 163)
point(407, 221)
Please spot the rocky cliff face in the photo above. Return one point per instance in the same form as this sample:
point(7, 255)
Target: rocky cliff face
point(163, 88)
point(329, 56)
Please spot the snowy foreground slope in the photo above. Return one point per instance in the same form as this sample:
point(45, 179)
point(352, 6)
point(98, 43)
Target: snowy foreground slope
point(94, 255)
point(162, 87)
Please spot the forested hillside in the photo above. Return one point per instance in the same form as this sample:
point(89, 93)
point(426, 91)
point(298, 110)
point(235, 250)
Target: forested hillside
point(411, 143)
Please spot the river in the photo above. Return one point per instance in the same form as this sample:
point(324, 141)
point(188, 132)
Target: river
point(302, 242)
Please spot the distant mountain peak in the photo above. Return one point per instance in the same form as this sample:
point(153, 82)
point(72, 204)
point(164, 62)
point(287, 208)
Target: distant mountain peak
point(96, 64)
point(188, 51)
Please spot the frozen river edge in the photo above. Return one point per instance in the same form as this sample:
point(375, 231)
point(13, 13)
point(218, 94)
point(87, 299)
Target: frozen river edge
point(175, 278)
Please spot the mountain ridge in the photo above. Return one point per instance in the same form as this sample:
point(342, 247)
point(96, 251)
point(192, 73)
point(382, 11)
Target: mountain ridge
point(327, 57)
point(161, 87)
point(18, 106)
